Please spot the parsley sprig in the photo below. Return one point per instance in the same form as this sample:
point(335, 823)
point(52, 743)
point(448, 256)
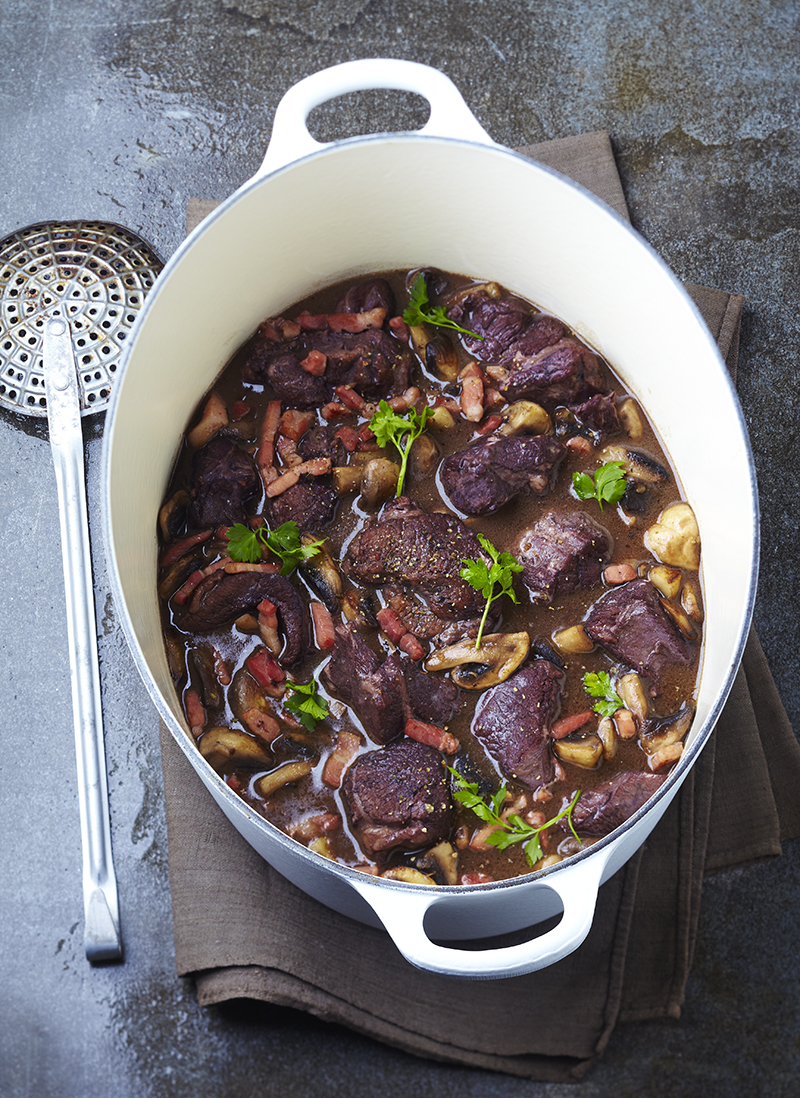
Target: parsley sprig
point(485, 578)
point(599, 686)
point(420, 311)
point(401, 431)
point(511, 829)
point(306, 703)
point(608, 484)
point(284, 541)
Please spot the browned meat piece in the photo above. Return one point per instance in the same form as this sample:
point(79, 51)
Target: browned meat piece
point(512, 722)
point(308, 503)
point(408, 547)
point(322, 442)
point(600, 810)
point(501, 322)
point(223, 478)
point(376, 293)
point(493, 470)
point(563, 552)
point(372, 362)
point(398, 799)
point(633, 626)
point(223, 596)
point(430, 697)
point(293, 385)
point(597, 416)
point(507, 326)
point(565, 373)
point(376, 692)
point(385, 695)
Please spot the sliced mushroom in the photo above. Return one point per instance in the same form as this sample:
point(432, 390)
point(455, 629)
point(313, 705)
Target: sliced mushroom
point(631, 418)
point(283, 775)
point(498, 656)
point(442, 418)
point(666, 579)
point(662, 732)
point(201, 662)
point(346, 478)
point(322, 575)
point(690, 601)
point(572, 640)
point(444, 858)
point(213, 419)
point(675, 538)
point(680, 617)
point(244, 694)
point(607, 734)
point(172, 515)
point(525, 416)
point(407, 874)
point(583, 749)
point(631, 689)
point(423, 458)
point(636, 464)
point(379, 481)
point(226, 748)
point(441, 357)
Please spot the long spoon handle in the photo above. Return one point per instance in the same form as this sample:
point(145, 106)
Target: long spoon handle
point(102, 939)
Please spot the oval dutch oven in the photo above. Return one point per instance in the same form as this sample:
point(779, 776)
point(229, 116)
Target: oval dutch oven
point(448, 197)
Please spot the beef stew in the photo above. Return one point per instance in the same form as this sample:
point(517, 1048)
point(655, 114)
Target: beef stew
point(454, 660)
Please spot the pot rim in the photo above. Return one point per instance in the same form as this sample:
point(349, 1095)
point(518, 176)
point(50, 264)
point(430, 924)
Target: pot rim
point(676, 778)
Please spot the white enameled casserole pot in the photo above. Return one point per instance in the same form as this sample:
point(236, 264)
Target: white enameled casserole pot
point(446, 197)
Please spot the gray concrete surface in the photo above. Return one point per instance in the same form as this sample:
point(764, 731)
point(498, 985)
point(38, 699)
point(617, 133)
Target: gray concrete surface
point(122, 110)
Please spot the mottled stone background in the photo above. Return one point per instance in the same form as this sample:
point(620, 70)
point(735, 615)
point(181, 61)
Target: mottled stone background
point(122, 110)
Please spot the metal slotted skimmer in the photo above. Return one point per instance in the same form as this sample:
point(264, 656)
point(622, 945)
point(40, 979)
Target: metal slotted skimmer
point(69, 294)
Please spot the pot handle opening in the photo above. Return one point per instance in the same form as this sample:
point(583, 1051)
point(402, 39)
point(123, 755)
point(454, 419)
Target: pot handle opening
point(450, 116)
point(402, 911)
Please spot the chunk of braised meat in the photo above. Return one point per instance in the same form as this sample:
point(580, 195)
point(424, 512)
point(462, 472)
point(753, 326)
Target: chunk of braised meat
point(321, 442)
point(563, 552)
point(223, 478)
point(308, 503)
point(375, 691)
point(512, 722)
point(372, 362)
point(398, 799)
point(493, 470)
point(406, 546)
point(505, 324)
point(564, 373)
point(598, 811)
point(222, 596)
point(375, 293)
point(597, 415)
point(385, 695)
point(431, 697)
point(630, 622)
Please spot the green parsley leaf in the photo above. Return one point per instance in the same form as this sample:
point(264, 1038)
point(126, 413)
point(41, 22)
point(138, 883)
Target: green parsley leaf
point(401, 431)
point(599, 686)
point(243, 543)
point(420, 311)
point(485, 578)
point(608, 484)
point(284, 541)
point(306, 703)
point(513, 829)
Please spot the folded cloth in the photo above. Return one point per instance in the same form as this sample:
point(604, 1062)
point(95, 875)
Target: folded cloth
point(244, 932)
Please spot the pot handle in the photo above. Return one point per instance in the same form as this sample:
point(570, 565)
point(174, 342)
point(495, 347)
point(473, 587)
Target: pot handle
point(450, 116)
point(402, 911)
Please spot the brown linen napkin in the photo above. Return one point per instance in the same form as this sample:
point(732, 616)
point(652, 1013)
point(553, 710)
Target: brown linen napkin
point(244, 932)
